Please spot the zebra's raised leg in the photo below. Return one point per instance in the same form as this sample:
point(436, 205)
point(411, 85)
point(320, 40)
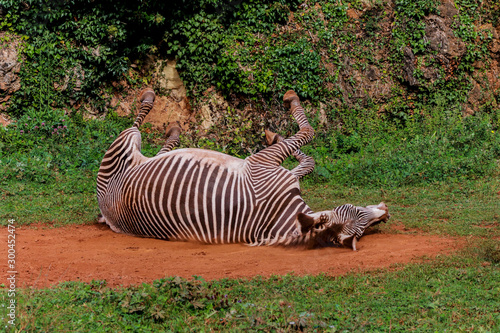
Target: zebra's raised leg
point(306, 163)
point(147, 99)
point(276, 154)
point(172, 139)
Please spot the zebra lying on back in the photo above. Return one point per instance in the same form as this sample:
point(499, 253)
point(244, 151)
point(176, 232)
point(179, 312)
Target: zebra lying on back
point(210, 197)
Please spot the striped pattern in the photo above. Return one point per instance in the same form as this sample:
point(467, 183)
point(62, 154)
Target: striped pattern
point(207, 196)
point(173, 140)
point(351, 222)
point(354, 220)
point(180, 196)
point(306, 163)
point(147, 99)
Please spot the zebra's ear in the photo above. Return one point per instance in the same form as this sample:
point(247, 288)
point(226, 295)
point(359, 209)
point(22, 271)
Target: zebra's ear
point(304, 223)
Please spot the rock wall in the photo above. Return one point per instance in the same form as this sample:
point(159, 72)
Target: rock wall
point(375, 84)
point(486, 77)
point(10, 65)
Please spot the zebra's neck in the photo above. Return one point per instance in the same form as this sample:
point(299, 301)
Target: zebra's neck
point(283, 228)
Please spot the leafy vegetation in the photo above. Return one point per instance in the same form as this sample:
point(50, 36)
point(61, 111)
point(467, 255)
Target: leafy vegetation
point(40, 146)
point(73, 47)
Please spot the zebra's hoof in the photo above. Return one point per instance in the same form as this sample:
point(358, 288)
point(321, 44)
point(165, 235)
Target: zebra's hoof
point(272, 138)
point(173, 129)
point(290, 97)
point(147, 95)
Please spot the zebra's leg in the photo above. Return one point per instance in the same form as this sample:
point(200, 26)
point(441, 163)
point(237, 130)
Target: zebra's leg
point(276, 154)
point(306, 163)
point(172, 139)
point(147, 99)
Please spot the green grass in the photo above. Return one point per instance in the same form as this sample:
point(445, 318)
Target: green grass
point(65, 200)
point(447, 294)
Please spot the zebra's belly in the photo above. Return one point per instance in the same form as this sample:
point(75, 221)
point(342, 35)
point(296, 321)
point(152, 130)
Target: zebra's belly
point(187, 194)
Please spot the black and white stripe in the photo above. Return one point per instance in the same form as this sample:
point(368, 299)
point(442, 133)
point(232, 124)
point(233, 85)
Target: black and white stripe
point(207, 196)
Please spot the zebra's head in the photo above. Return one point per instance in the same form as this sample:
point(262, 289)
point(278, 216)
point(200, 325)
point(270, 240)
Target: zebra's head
point(343, 225)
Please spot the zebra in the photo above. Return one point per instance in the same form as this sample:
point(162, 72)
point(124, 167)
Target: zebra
point(193, 194)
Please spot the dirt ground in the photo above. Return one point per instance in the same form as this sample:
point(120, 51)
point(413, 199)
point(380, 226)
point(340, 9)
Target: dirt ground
point(46, 256)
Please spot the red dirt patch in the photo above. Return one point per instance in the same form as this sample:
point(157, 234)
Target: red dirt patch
point(48, 256)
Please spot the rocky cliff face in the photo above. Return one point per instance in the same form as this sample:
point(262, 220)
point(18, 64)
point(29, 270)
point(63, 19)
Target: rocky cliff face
point(10, 65)
point(377, 81)
point(171, 103)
